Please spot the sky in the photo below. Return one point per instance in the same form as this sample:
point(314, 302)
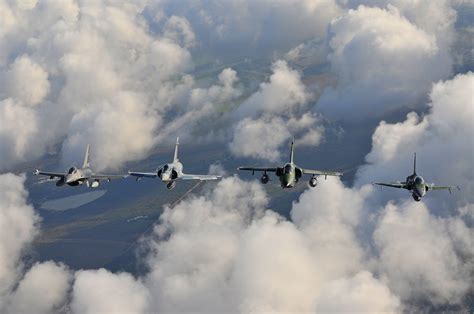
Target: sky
point(124, 77)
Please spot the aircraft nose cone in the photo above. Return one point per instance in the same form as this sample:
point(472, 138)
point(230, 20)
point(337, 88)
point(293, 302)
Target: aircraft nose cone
point(165, 177)
point(420, 190)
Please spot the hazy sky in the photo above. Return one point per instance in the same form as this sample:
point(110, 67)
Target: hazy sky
point(129, 76)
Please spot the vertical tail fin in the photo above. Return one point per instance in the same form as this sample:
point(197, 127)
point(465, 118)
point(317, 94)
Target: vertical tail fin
point(414, 164)
point(291, 153)
point(175, 158)
point(86, 164)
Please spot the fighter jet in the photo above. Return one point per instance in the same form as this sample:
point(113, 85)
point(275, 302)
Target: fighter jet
point(416, 184)
point(78, 176)
point(289, 174)
point(171, 172)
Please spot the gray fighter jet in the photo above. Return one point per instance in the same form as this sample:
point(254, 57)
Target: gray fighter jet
point(416, 184)
point(289, 174)
point(171, 172)
point(78, 176)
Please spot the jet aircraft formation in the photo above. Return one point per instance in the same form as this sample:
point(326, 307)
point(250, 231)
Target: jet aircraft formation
point(288, 174)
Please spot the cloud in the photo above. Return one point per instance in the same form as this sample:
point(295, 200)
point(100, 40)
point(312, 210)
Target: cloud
point(18, 125)
point(418, 254)
point(200, 111)
point(100, 291)
point(217, 169)
point(278, 110)
point(143, 51)
point(179, 30)
point(225, 90)
point(404, 60)
point(284, 93)
point(259, 138)
point(263, 137)
point(312, 138)
point(214, 222)
point(418, 257)
point(112, 74)
point(330, 229)
point(26, 81)
point(225, 251)
point(242, 258)
point(29, 296)
point(106, 74)
point(434, 17)
point(312, 52)
point(446, 126)
point(267, 247)
point(265, 264)
point(253, 27)
point(429, 241)
point(120, 127)
point(361, 293)
point(18, 227)
point(103, 75)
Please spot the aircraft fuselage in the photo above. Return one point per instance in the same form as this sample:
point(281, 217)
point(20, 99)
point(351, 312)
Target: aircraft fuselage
point(76, 176)
point(170, 172)
point(416, 184)
point(288, 178)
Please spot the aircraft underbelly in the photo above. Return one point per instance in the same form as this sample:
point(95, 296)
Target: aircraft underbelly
point(419, 190)
point(287, 180)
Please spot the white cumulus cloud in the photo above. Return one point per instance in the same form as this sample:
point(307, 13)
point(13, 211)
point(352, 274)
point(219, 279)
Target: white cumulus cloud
point(383, 62)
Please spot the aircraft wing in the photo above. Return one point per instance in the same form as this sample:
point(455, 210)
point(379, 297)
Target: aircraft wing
point(143, 174)
point(398, 185)
point(49, 174)
point(257, 169)
point(321, 172)
point(107, 177)
point(439, 187)
point(202, 177)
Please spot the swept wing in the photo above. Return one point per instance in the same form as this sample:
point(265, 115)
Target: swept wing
point(258, 168)
point(107, 177)
point(143, 174)
point(398, 185)
point(321, 172)
point(440, 187)
point(202, 177)
point(49, 174)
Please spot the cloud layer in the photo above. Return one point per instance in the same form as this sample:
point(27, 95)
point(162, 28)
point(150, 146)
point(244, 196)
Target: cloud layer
point(77, 73)
point(225, 251)
point(278, 110)
point(383, 61)
point(446, 126)
point(18, 228)
point(113, 74)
